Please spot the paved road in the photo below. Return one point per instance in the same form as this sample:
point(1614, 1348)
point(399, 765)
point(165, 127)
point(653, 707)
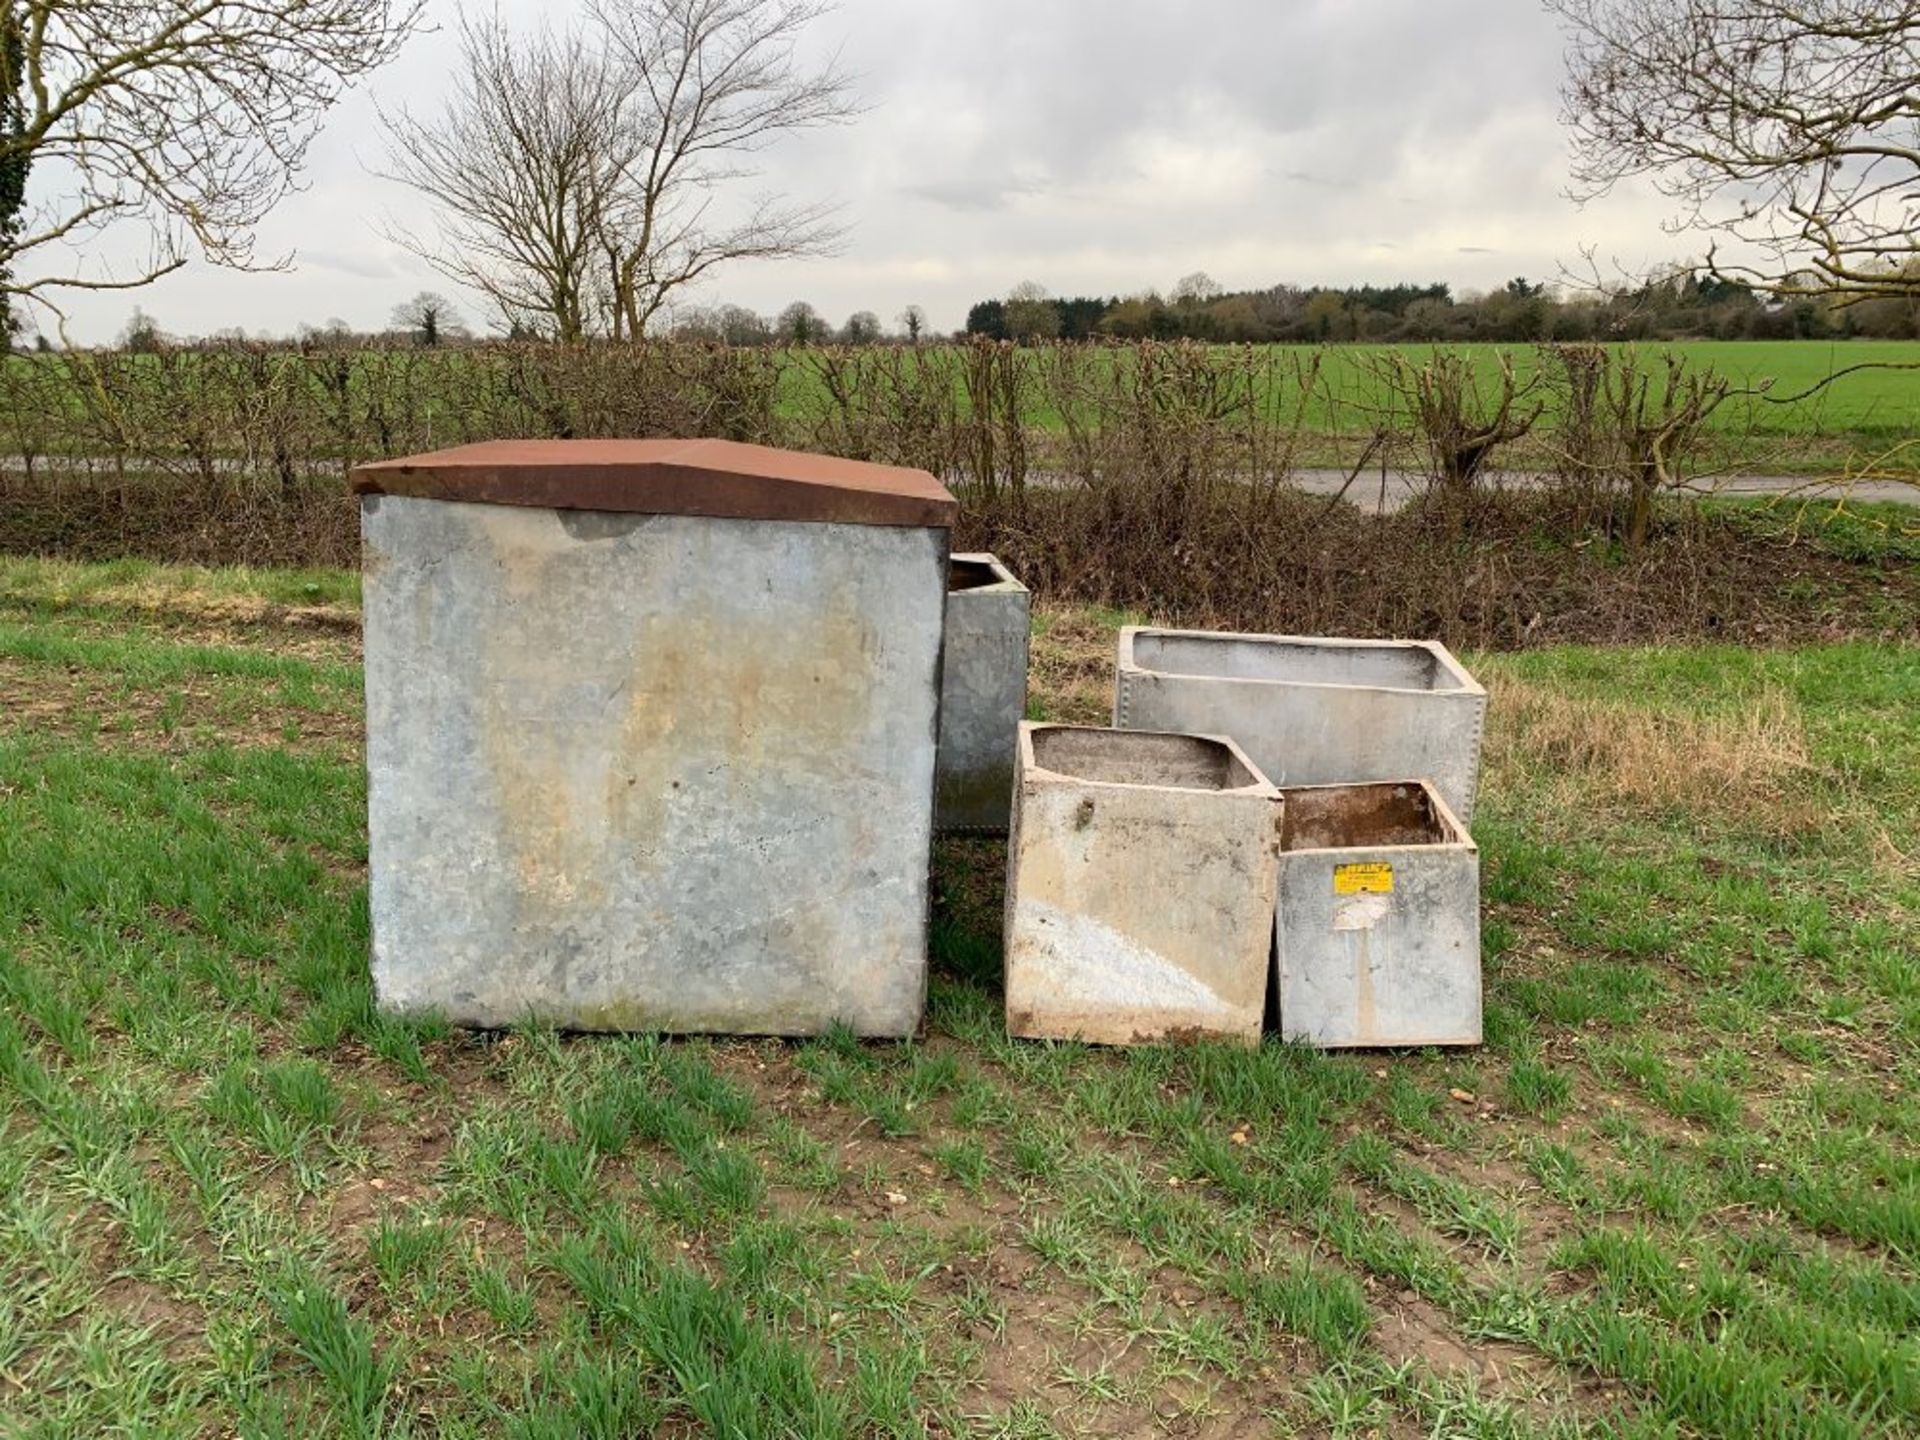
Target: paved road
point(1367, 491)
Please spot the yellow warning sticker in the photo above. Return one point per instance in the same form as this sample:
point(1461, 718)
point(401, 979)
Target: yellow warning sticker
point(1365, 877)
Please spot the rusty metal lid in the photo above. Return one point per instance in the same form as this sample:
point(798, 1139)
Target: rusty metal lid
point(719, 478)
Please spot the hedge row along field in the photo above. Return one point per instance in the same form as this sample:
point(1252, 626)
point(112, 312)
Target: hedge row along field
point(1155, 474)
point(264, 406)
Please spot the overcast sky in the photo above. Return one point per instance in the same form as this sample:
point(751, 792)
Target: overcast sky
point(1094, 146)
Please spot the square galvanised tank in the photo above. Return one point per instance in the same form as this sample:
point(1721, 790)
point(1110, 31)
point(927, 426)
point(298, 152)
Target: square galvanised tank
point(1312, 710)
point(651, 731)
point(1140, 887)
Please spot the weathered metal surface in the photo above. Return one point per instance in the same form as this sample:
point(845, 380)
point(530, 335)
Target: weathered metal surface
point(983, 695)
point(1141, 882)
point(717, 478)
point(1377, 930)
point(1312, 711)
point(649, 772)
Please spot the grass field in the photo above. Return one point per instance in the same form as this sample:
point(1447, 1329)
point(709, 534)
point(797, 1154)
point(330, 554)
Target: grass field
point(1788, 401)
point(1678, 1192)
point(1879, 403)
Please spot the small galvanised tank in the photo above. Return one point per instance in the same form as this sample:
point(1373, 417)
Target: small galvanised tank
point(983, 695)
point(1140, 887)
point(651, 734)
point(1377, 929)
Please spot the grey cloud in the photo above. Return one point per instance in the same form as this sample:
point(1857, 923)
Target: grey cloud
point(972, 195)
point(1301, 177)
point(366, 267)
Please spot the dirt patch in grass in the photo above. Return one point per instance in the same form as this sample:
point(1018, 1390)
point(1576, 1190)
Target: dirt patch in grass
point(1057, 1350)
point(180, 1327)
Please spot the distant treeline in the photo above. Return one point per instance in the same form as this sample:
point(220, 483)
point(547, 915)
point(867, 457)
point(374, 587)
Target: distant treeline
point(1681, 308)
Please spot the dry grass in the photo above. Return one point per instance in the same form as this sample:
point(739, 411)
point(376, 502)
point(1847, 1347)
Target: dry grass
point(1752, 765)
point(1070, 663)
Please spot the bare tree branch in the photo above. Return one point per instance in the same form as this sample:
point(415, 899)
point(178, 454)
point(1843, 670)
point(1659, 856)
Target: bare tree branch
point(191, 117)
point(715, 82)
point(1787, 130)
point(519, 166)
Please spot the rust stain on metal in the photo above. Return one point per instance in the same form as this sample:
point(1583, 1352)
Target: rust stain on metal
point(663, 726)
point(1372, 816)
point(720, 479)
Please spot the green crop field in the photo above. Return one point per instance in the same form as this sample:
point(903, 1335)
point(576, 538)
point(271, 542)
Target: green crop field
point(1677, 1194)
point(1874, 402)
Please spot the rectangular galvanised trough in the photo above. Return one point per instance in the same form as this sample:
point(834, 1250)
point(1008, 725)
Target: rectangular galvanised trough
point(1377, 929)
point(1312, 711)
point(1140, 887)
point(650, 735)
point(983, 695)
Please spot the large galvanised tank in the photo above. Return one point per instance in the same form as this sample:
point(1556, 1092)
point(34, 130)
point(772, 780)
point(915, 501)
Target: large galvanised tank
point(651, 730)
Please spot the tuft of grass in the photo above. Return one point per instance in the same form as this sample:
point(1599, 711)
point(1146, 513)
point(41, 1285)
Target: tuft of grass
point(339, 1346)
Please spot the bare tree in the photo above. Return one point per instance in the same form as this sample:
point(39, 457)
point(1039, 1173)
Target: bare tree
point(429, 318)
point(713, 82)
point(191, 117)
point(913, 320)
point(520, 166)
point(141, 334)
point(862, 328)
point(741, 326)
point(1787, 130)
point(1196, 289)
point(576, 179)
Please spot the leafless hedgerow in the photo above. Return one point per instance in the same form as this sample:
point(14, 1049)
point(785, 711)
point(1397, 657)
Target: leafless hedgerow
point(1455, 420)
point(1160, 429)
point(894, 406)
point(1787, 130)
point(1628, 424)
point(192, 119)
point(1155, 478)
